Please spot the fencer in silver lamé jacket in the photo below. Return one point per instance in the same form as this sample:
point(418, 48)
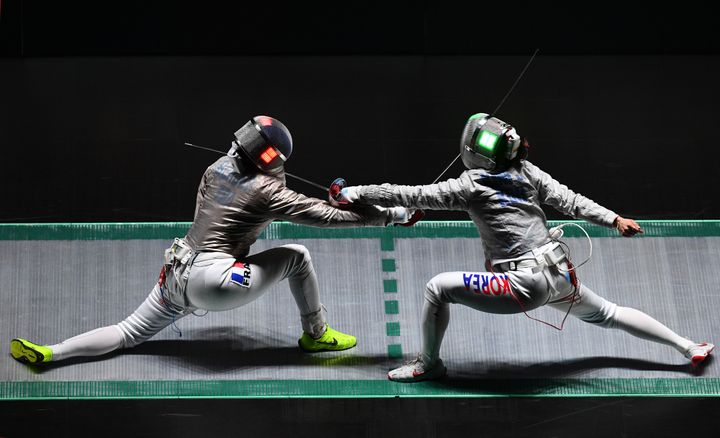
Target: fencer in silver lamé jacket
point(236, 202)
point(504, 206)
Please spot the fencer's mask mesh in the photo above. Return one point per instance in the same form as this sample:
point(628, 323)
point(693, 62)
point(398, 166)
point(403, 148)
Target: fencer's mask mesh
point(265, 141)
point(488, 143)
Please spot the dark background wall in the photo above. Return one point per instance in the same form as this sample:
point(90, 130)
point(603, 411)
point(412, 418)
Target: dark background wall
point(96, 100)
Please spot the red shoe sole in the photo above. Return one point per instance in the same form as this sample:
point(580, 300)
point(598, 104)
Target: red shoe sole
point(697, 360)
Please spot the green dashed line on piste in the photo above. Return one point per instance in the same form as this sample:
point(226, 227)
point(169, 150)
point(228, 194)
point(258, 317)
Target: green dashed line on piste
point(392, 328)
point(395, 351)
point(388, 265)
point(390, 286)
point(392, 307)
point(387, 243)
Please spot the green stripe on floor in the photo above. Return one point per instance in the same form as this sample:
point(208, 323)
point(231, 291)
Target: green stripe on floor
point(256, 389)
point(286, 230)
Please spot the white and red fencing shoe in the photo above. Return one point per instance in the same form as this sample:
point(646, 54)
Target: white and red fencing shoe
point(698, 352)
point(416, 370)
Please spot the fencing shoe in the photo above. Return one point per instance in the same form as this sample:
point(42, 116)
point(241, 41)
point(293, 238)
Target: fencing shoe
point(27, 352)
point(415, 371)
point(331, 340)
point(699, 352)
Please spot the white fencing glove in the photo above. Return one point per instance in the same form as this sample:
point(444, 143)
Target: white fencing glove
point(406, 217)
point(343, 196)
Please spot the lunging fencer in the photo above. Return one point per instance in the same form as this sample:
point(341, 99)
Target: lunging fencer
point(526, 265)
point(211, 269)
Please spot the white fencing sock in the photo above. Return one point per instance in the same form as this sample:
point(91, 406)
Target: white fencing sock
point(435, 320)
point(93, 343)
point(644, 326)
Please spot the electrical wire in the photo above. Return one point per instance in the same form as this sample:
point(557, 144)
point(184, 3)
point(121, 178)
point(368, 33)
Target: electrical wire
point(497, 108)
point(571, 271)
point(590, 250)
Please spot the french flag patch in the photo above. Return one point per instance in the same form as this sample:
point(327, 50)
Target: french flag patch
point(240, 274)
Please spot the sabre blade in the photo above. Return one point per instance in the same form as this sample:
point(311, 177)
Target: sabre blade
point(307, 181)
point(527, 65)
point(203, 147)
point(325, 189)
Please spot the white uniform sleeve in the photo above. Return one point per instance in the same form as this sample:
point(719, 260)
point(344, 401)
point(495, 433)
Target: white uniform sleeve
point(564, 200)
point(453, 194)
point(286, 204)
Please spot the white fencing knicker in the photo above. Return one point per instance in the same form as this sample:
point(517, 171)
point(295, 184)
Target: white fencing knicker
point(212, 281)
point(539, 277)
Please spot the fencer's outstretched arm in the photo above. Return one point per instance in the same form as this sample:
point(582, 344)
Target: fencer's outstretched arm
point(576, 205)
point(452, 194)
point(286, 204)
point(564, 200)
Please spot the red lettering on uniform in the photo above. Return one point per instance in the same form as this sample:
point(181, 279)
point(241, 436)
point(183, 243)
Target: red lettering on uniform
point(493, 282)
point(505, 285)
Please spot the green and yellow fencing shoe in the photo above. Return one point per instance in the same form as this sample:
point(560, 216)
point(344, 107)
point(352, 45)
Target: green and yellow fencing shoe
point(27, 352)
point(331, 340)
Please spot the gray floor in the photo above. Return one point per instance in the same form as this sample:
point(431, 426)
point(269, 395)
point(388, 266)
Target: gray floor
point(51, 290)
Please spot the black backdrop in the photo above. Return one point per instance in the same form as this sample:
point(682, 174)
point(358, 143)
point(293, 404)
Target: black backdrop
point(97, 100)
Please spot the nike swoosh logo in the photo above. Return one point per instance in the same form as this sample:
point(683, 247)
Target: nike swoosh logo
point(416, 374)
point(334, 342)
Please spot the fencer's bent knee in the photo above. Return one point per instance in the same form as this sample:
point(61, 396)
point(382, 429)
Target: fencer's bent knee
point(433, 292)
point(301, 250)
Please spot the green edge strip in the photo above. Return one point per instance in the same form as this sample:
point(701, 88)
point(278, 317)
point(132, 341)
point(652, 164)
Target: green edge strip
point(684, 387)
point(287, 230)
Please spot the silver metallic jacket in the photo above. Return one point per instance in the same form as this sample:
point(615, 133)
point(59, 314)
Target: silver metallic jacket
point(504, 206)
point(235, 202)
